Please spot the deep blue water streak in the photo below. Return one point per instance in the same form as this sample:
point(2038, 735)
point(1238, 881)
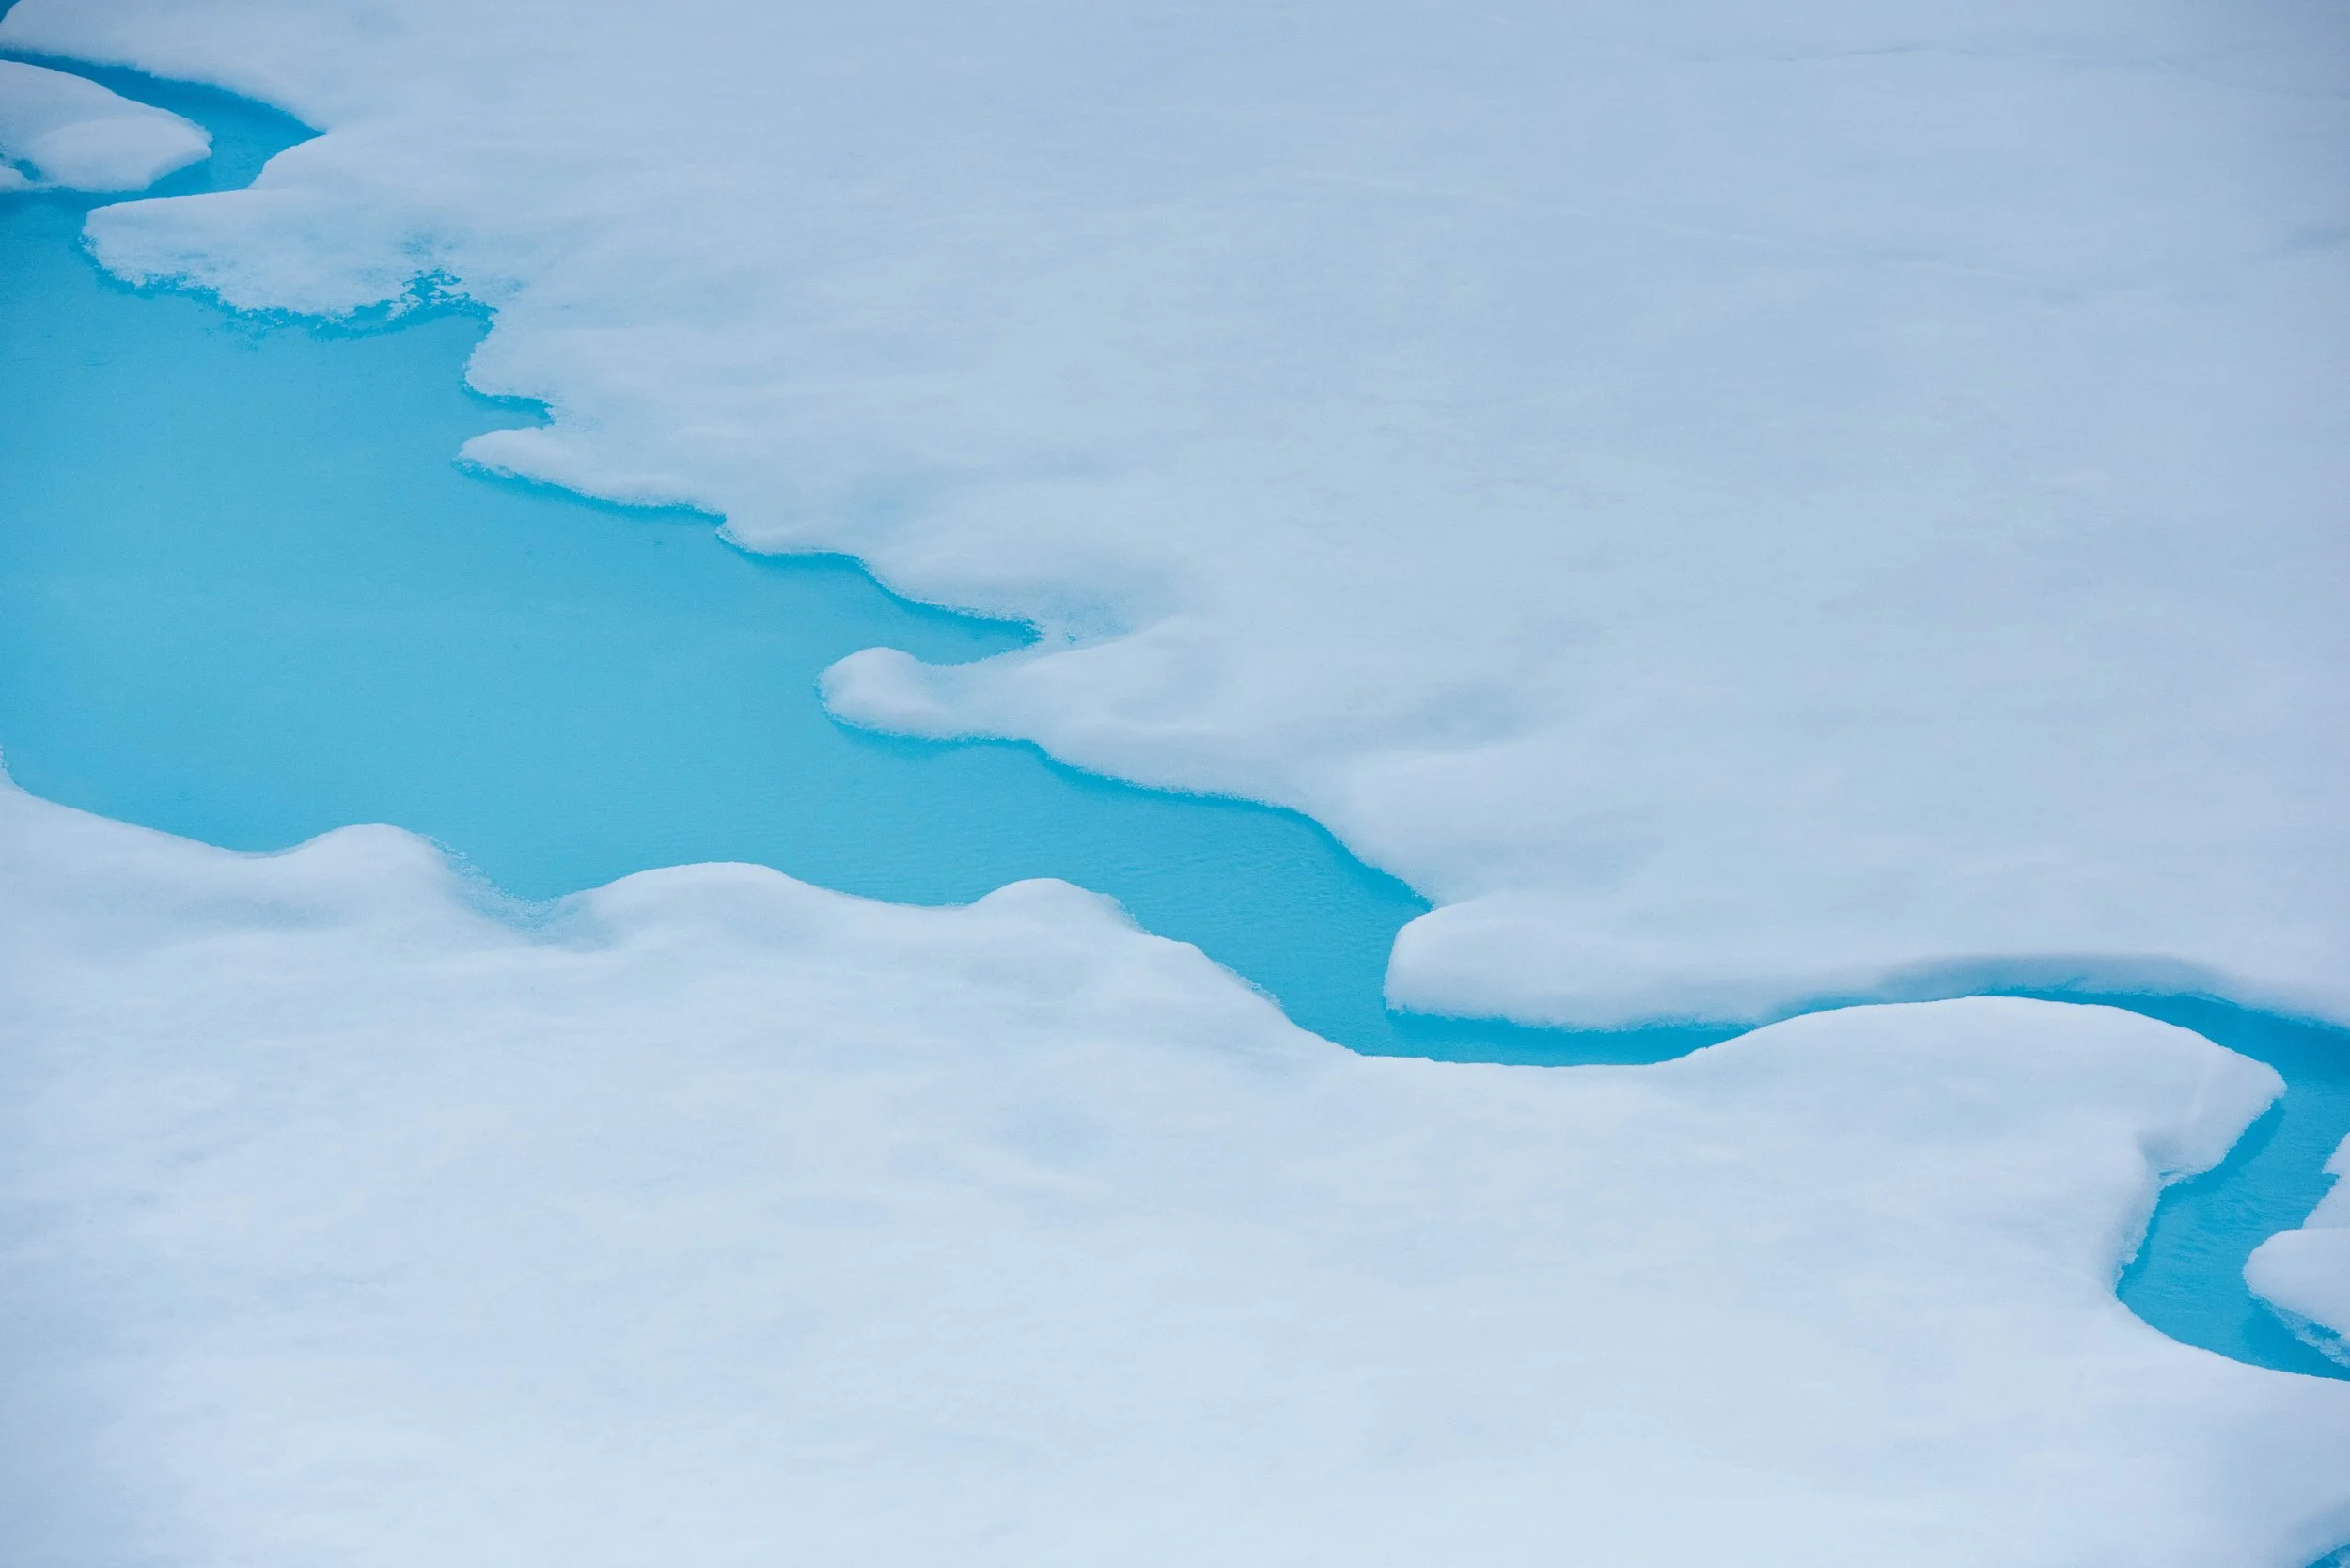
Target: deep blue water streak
point(246, 597)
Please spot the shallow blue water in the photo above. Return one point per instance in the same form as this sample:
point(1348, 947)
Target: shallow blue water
point(245, 596)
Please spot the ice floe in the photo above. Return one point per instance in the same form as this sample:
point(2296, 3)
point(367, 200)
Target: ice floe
point(67, 130)
point(2306, 1272)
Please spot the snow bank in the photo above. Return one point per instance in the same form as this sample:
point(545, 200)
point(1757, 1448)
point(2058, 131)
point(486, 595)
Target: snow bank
point(715, 1219)
point(1736, 505)
point(2306, 1272)
point(70, 132)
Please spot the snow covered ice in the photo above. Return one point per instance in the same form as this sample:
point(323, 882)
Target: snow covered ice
point(722, 1217)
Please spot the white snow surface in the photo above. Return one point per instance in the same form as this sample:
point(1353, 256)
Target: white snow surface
point(69, 131)
point(716, 1219)
point(2306, 1272)
point(1738, 504)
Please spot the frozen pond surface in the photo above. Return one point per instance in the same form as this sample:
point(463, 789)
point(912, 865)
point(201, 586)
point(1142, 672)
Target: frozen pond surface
point(246, 597)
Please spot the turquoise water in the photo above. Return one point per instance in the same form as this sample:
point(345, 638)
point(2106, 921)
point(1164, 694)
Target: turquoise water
point(246, 597)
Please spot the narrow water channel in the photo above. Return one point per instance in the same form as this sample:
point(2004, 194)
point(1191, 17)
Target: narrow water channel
point(246, 597)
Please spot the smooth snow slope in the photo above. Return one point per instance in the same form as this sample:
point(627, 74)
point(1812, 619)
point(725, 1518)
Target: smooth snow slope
point(1738, 504)
point(724, 1217)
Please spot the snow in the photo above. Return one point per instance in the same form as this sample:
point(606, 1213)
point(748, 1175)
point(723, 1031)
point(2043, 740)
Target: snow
point(713, 1215)
point(2306, 1272)
point(1738, 506)
point(73, 132)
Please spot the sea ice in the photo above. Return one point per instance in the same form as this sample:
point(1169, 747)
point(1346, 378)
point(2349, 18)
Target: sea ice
point(1736, 505)
point(714, 1216)
point(68, 131)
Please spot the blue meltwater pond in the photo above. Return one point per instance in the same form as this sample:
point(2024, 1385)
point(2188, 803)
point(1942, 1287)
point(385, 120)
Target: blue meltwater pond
point(247, 596)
